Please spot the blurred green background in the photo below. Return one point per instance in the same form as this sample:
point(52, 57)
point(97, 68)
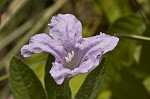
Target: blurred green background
point(128, 66)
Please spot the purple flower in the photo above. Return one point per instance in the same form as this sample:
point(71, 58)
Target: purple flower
point(73, 54)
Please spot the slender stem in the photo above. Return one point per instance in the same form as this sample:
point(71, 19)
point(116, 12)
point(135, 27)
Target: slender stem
point(135, 37)
point(3, 77)
point(66, 87)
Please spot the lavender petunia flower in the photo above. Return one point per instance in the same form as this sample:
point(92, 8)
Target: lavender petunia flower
point(73, 54)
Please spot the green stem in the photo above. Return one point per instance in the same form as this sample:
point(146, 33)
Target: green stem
point(3, 77)
point(135, 37)
point(66, 87)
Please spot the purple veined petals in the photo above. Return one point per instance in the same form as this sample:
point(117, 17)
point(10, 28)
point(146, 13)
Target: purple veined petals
point(104, 42)
point(59, 73)
point(88, 64)
point(43, 43)
point(84, 67)
point(73, 54)
point(93, 49)
point(28, 50)
point(66, 30)
point(90, 56)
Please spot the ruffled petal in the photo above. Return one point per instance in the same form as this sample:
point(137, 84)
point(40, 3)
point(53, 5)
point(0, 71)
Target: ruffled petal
point(89, 64)
point(66, 30)
point(43, 43)
point(59, 73)
point(100, 42)
point(93, 49)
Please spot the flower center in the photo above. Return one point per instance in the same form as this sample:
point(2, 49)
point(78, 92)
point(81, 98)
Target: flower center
point(69, 57)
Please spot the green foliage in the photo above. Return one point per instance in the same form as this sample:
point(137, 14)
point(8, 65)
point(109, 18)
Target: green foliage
point(126, 80)
point(24, 83)
point(50, 84)
point(128, 65)
point(131, 24)
point(144, 65)
point(62, 97)
point(126, 48)
point(114, 9)
point(91, 86)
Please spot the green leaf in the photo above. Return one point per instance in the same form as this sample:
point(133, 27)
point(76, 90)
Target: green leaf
point(91, 86)
point(24, 83)
point(50, 84)
point(53, 90)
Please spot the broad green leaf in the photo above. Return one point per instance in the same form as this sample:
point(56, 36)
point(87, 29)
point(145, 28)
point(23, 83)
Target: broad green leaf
point(53, 90)
point(37, 63)
point(91, 86)
point(50, 84)
point(24, 83)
